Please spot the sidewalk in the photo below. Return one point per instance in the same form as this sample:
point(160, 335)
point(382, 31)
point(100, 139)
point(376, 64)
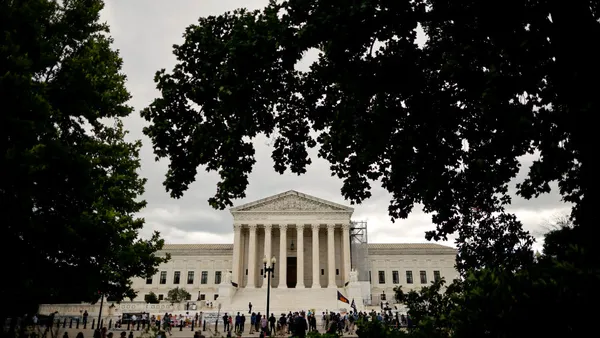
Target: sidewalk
point(186, 332)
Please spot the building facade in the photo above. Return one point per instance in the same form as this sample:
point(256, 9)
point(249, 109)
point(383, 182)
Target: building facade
point(312, 242)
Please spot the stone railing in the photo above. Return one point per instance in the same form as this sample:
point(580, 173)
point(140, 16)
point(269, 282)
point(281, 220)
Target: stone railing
point(110, 309)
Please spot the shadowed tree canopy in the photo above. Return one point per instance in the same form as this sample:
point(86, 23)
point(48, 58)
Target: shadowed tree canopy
point(69, 187)
point(178, 295)
point(442, 125)
point(151, 298)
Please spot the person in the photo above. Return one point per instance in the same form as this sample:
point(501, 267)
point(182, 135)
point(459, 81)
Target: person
point(300, 326)
point(250, 307)
point(282, 323)
point(272, 321)
point(238, 321)
point(252, 322)
point(225, 322)
point(263, 324)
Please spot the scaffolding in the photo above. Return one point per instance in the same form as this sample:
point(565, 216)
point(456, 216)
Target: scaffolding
point(359, 249)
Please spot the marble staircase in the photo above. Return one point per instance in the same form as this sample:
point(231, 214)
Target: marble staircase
point(284, 300)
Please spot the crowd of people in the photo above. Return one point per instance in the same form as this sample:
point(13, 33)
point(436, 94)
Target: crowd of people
point(293, 323)
point(300, 322)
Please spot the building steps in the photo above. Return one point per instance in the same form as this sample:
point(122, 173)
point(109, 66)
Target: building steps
point(284, 300)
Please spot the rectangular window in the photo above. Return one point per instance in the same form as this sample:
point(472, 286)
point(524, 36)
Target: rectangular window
point(409, 277)
point(369, 276)
point(149, 280)
point(382, 296)
point(216, 296)
point(337, 272)
point(190, 277)
point(322, 272)
point(261, 272)
point(161, 297)
point(423, 277)
point(217, 277)
point(202, 296)
point(246, 272)
point(188, 297)
point(204, 277)
point(395, 277)
point(437, 276)
point(381, 277)
point(163, 277)
point(176, 277)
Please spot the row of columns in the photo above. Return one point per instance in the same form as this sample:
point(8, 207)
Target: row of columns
point(282, 263)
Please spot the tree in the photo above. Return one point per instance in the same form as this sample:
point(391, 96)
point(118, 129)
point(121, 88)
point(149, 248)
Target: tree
point(178, 295)
point(431, 307)
point(442, 125)
point(151, 298)
point(69, 187)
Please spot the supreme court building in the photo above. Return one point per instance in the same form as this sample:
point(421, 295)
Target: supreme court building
point(319, 250)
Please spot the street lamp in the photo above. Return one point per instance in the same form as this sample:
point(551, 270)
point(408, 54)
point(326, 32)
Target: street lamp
point(269, 273)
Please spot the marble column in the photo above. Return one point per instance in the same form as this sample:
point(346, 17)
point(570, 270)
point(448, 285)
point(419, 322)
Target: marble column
point(237, 244)
point(268, 228)
point(282, 256)
point(252, 257)
point(315, 256)
point(330, 256)
point(346, 252)
point(300, 256)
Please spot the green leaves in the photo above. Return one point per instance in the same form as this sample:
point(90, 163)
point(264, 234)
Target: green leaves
point(443, 124)
point(70, 189)
point(151, 298)
point(178, 295)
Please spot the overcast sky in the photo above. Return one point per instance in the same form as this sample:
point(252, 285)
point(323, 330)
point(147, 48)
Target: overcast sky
point(144, 32)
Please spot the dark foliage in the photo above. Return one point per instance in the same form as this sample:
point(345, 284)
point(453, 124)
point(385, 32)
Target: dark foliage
point(69, 188)
point(443, 125)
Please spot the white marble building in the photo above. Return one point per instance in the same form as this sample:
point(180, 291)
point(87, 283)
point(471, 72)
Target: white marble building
point(310, 240)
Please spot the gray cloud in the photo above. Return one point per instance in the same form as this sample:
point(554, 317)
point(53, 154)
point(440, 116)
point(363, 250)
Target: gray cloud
point(144, 32)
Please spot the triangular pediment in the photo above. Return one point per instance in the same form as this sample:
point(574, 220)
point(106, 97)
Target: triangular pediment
point(292, 201)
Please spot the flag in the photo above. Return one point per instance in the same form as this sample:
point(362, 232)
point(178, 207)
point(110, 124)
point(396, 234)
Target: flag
point(353, 305)
point(341, 298)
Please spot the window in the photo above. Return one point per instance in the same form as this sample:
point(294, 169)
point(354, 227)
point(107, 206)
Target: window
point(188, 297)
point(163, 277)
point(261, 272)
point(423, 277)
point(337, 272)
point(202, 296)
point(437, 276)
point(322, 272)
point(369, 276)
point(149, 280)
point(204, 278)
point(216, 296)
point(382, 296)
point(161, 297)
point(190, 277)
point(176, 277)
point(409, 277)
point(217, 277)
point(395, 277)
point(246, 272)
point(381, 277)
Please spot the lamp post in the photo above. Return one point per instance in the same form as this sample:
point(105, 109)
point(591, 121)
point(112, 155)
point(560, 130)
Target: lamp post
point(269, 273)
point(100, 312)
